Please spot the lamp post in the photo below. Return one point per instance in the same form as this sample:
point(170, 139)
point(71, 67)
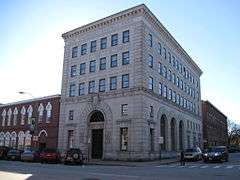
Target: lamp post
point(33, 126)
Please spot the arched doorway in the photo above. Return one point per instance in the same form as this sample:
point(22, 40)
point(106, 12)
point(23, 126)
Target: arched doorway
point(163, 124)
point(173, 140)
point(181, 135)
point(42, 140)
point(96, 127)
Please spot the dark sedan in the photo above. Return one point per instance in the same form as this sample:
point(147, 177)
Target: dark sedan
point(3, 152)
point(14, 154)
point(216, 153)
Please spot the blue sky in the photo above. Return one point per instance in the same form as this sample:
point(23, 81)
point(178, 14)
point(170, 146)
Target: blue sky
point(31, 48)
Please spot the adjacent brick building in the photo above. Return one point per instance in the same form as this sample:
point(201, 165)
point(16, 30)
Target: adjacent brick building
point(30, 123)
point(214, 125)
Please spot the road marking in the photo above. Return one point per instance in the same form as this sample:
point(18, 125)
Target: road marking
point(192, 167)
point(112, 175)
point(229, 167)
point(203, 167)
point(216, 167)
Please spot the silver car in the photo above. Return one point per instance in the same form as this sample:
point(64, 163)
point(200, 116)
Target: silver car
point(193, 154)
point(30, 155)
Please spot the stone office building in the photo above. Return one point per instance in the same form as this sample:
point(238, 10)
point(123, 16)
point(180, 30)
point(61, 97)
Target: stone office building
point(30, 123)
point(126, 83)
point(214, 125)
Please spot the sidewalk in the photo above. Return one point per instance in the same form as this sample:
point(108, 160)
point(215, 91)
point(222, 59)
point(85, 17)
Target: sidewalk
point(133, 164)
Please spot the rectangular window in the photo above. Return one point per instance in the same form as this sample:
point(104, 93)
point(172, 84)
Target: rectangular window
point(165, 91)
point(169, 75)
point(151, 111)
point(74, 52)
point(177, 65)
point(178, 99)
point(160, 71)
point(125, 81)
point(150, 83)
point(174, 96)
point(70, 139)
point(124, 109)
point(93, 46)
point(177, 81)
point(125, 36)
point(165, 53)
point(73, 71)
point(91, 87)
point(113, 83)
point(173, 61)
point(102, 85)
point(169, 57)
point(169, 94)
point(82, 68)
point(114, 61)
point(174, 78)
point(181, 101)
point(92, 67)
point(103, 63)
point(152, 139)
point(160, 48)
point(84, 49)
point(124, 139)
point(70, 115)
point(103, 43)
point(160, 89)
point(81, 89)
point(72, 90)
point(150, 61)
point(181, 84)
point(114, 40)
point(125, 58)
point(150, 40)
point(165, 71)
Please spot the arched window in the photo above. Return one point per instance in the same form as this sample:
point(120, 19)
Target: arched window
point(97, 116)
point(15, 113)
point(29, 111)
point(49, 111)
point(7, 139)
point(4, 113)
point(2, 139)
point(21, 137)
point(9, 117)
point(13, 139)
point(23, 112)
point(40, 112)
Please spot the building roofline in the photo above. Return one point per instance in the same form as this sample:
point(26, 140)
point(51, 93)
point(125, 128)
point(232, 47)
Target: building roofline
point(109, 19)
point(208, 102)
point(30, 100)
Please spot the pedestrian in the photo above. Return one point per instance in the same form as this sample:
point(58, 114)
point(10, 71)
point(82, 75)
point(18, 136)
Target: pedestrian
point(182, 160)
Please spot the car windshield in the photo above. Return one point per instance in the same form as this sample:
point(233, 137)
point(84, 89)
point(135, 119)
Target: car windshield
point(191, 150)
point(216, 149)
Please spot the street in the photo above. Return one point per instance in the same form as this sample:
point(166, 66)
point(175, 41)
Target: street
point(10, 170)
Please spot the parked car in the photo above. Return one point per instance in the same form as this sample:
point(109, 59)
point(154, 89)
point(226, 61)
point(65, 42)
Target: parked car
point(30, 155)
point(194, 154)
point(73, 156)
point(216, 153)
point(234, 149)
point(49, 155)
point(14, 154)
point(3, 152)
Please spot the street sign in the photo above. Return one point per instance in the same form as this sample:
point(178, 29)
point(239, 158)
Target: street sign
point(160, 140)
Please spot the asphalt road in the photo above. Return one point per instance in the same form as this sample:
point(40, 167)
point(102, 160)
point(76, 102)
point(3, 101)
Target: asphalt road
point(10, 170)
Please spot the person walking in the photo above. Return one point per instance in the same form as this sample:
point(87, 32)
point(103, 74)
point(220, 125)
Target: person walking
point(182, 160)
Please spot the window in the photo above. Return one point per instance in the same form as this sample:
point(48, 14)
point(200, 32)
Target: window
point(160, 89)
point(103, 43)
point(150, 40)
point(113, 83)
point(165, 71)
point(174, 96)
point(160, 71)
point(70, 115)
point(124, 109)
point(178, 99)
point(181, 84)
point(177, 81)
point(84, 49)
point(124, 139)
point(150, 83)
point(150, 61)
point(82, 68)
point(169, 94)
point(102, 85)
point(81, 89)
point(173, 61)
point(72, 90)
point(151, 111)
point(114, 40)
point(70, 139)
point(125, 36)
point(169, 75)
point(181, 101)
point(103, 63)
point(73, 71)
point(74, 52)
point(169, 57)
point(165, 91)
point(93, 46)
point(92, 67)
point(164, 53)
point(177, 65)
point(125, 81)
point(91, 87)
point(152, 139)
point(160, 48)
point(125, 58)
point(113, 61)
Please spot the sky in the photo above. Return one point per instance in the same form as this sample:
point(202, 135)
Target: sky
point(31, 46)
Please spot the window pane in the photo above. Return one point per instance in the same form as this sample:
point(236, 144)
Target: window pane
point(125, 81)
point(81, 89)
point(123, 139)
point(82, 68)
point(102, 63)
point(102, 85)
point(113, 83)
point(93, 46)
point(103, 42)
point(84, 49)
point(125, 58)
point(74, 52)
point(125, 36)
point(114, 60)
point(114, 40)
point(92, 67)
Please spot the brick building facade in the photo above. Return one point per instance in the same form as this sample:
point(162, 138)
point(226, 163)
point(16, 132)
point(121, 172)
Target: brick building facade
point(30, 123)
point(214, 125)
